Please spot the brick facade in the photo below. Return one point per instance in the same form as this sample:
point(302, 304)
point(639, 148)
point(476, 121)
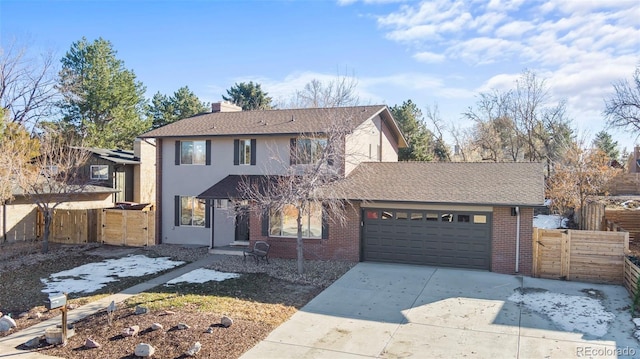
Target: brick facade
point(343, 242)
point(503, 241)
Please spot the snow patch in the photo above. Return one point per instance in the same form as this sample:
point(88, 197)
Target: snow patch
point(569, 312)
point(91, 277)
point(202, 275)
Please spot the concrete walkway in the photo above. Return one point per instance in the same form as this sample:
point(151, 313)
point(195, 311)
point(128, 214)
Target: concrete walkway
point(9, 343)
point(400, 311)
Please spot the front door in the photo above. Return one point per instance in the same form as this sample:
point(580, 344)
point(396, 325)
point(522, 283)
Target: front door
point(242, 223)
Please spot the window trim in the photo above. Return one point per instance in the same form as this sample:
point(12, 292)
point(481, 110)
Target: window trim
point(178, 212)
point(98, 178)
point(306, 218)
point(297, 158)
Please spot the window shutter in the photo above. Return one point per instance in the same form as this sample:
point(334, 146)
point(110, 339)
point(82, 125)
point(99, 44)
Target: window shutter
point(208, 152)
point(177, 153)
point(265, 222)
point(325, 223)
point(253, 151)
point(292, 152)
point(236, 152)
point(177, 212)
point(207, 213)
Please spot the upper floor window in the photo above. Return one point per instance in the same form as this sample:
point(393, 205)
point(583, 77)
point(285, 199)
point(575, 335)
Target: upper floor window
point(99, 172)
point(244, 152)
point(307, 150)
point(193, 153)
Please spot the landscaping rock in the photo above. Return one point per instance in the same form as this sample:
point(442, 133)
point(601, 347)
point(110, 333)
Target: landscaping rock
point(72, 306)
point(22, 315)
point(226, 321)
point(636, 334)
point(636, 321)
point(156, 326)
point(182, 326)
point(141, 310)
point(144, 350)
point(33, 342)
point(36, 315)
point(91, 344)
point(168, 312)
point(210, 330)
point(4, 327)
point(9, 321)
point(131, 331)
point(195, 349)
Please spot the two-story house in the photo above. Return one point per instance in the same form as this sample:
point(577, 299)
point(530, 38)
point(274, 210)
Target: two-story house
point(470, 215)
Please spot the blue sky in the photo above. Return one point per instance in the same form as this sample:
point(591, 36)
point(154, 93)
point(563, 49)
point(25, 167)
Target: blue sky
point(433, 52)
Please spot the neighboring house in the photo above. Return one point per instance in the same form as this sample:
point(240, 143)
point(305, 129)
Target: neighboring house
point(628, 183)
point(128, 172)
point(467, 215)
point(19, 217)
point(115, 176)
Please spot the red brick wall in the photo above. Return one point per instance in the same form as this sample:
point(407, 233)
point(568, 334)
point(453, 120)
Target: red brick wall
point(503, 242)
point(343, 242)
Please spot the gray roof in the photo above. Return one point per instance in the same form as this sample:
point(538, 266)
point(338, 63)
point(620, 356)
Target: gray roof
point(513, 184)
point(269, 122)
point(229, 187)
point(116, 156)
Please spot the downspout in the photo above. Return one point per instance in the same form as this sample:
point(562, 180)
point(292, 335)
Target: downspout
point(517, 239)
point(4, 221)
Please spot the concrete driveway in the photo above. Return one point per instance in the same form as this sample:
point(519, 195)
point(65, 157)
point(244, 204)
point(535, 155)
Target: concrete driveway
point(400, 311)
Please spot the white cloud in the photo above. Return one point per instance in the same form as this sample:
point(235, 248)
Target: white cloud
point(429, 57)
point(514, 29)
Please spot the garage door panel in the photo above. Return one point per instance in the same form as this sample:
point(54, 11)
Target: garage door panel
point(430, 242)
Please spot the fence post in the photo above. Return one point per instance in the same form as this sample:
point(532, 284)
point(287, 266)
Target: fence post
point(564, 254)
point(536, 257)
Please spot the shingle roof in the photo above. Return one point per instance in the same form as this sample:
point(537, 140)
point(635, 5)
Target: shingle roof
point(287, 121)
point(115, 156)
point(519, 184)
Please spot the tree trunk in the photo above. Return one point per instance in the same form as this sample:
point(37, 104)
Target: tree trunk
point(299, 243)
point(48, 216)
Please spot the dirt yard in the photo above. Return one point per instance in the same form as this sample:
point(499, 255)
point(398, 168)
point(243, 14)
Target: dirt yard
point(258, 301)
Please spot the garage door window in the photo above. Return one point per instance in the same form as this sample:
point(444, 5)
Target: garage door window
point(372, 214)
point(432, 217)
point(387, 215)
point(416, 216)
point(447, 217)
point(402, 215)
point(464, 218)
point(480, 218)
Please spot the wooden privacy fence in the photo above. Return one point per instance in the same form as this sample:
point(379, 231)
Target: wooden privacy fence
point(588, 256)
point(127, 228)
point(629, 219)
point(631, 274)
point(108, 226)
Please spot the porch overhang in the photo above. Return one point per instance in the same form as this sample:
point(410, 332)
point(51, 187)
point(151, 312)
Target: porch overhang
point(233, 186)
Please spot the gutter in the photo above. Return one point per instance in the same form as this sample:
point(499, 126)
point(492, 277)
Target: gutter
point(517, 239)
point(4, 221)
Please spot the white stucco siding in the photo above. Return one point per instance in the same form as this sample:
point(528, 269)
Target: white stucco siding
point(272, 157)
point(362, 145)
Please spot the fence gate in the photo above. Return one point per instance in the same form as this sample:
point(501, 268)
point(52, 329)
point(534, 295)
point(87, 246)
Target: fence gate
point(127, 228)
point(69, 226)
point(589, 256)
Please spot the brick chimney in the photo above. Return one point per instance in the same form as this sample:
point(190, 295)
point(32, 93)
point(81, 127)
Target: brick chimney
point(224, 106)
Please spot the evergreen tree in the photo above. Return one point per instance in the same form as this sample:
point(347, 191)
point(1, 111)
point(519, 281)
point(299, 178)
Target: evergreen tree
point(184, 103)
point(605, 142)
point(249, 96)
point(420, 139)
point(102, 101)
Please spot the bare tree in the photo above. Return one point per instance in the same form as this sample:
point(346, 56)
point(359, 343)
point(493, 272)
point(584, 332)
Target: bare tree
point(27, 85)
point(338, 92)
point(623, 108)
point(440, 148)
point(54, 177)
point(580, 174)
point(16, 149)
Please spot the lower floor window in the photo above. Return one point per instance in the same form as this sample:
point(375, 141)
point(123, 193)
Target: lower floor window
point(192, 211)
point(284, 223)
